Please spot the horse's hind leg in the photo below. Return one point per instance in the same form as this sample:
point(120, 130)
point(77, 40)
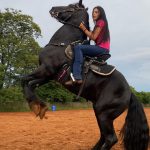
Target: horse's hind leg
point(108, 135)
point(102, 138)
point(107, 129)
point(99, 144)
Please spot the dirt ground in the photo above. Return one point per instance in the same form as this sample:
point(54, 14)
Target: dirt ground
point(63, 130)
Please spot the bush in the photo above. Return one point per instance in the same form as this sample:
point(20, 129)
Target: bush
point(144, 97)
point(11, 94)
point(54, 91)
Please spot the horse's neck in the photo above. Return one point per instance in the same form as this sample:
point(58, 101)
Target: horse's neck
point(67, 34)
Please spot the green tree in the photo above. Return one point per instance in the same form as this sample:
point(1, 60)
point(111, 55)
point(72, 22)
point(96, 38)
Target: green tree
point(54, 90)
point(143, 97)
point(18, 47)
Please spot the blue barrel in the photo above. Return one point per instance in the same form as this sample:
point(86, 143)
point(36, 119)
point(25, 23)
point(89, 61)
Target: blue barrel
point(53, 108)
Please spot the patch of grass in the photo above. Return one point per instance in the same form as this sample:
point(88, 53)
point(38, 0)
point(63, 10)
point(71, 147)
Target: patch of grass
point(22, 106)
point(14, 106)
point(71, 106)
point(147, 105)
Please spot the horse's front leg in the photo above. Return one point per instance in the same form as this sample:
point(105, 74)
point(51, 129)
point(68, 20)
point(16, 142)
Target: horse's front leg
point(35, 104)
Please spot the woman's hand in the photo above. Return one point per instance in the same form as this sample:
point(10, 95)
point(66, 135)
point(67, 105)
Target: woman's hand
point(91, 34)
point(82, 26)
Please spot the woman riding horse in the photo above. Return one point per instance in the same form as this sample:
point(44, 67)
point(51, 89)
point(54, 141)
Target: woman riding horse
point(100, 35)
point(111, 95)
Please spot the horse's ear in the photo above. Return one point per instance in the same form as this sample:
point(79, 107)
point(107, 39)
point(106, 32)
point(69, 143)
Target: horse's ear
point(87, 9)
point(80, 2)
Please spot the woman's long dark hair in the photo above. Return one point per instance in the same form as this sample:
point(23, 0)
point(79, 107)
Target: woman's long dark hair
point(103, 17)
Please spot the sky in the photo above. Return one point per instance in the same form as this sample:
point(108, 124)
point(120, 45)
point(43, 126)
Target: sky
point(129, 25)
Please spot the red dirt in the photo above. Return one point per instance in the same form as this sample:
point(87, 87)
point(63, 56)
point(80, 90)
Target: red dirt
point(63, 130)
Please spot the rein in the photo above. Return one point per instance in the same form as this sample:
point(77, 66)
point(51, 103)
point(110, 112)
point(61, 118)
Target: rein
point(65, 22)
point(64, 44)
point(73, 10)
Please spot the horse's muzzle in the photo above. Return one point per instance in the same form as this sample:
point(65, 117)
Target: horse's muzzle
point(54, 14)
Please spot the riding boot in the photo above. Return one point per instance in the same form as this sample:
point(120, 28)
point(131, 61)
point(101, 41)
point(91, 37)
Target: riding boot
point(70, 82)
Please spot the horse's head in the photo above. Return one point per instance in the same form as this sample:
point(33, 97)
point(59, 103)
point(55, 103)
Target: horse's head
point(73, 12)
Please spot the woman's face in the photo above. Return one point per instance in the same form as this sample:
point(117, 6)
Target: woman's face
point(95, 14)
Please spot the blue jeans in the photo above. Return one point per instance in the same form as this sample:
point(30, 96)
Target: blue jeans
point(84, 50)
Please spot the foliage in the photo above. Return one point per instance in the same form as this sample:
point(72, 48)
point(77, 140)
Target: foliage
point(144, 97)
point(18, 56)
point(11, 94)
point(18, 48)
point(55, 92)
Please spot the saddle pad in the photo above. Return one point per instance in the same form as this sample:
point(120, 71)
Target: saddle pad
point(100, 69)
point(69, 52)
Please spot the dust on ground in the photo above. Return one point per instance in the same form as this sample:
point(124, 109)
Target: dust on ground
point(63, 130)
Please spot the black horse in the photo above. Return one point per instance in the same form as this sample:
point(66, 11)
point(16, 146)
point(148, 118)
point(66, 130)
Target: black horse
point(110, 95)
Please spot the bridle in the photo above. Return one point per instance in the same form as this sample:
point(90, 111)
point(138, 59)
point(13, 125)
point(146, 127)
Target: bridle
point(73, 10)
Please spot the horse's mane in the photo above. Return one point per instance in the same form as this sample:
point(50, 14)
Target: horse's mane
point(75, 4)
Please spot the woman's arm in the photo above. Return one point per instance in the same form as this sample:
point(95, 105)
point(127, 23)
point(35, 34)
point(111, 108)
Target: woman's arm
point(91, 34)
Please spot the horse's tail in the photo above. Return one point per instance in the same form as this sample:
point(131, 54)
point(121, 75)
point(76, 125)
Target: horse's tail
point(136, 129)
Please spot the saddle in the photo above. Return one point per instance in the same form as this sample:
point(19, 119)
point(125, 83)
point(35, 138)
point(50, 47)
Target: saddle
point(97, 64)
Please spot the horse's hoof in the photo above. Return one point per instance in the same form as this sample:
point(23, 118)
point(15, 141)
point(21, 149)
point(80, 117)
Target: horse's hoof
point(96, 147)
point(42, 112)
point(35, 107)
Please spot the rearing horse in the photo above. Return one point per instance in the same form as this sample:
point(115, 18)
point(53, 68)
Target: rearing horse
point(110, 95)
